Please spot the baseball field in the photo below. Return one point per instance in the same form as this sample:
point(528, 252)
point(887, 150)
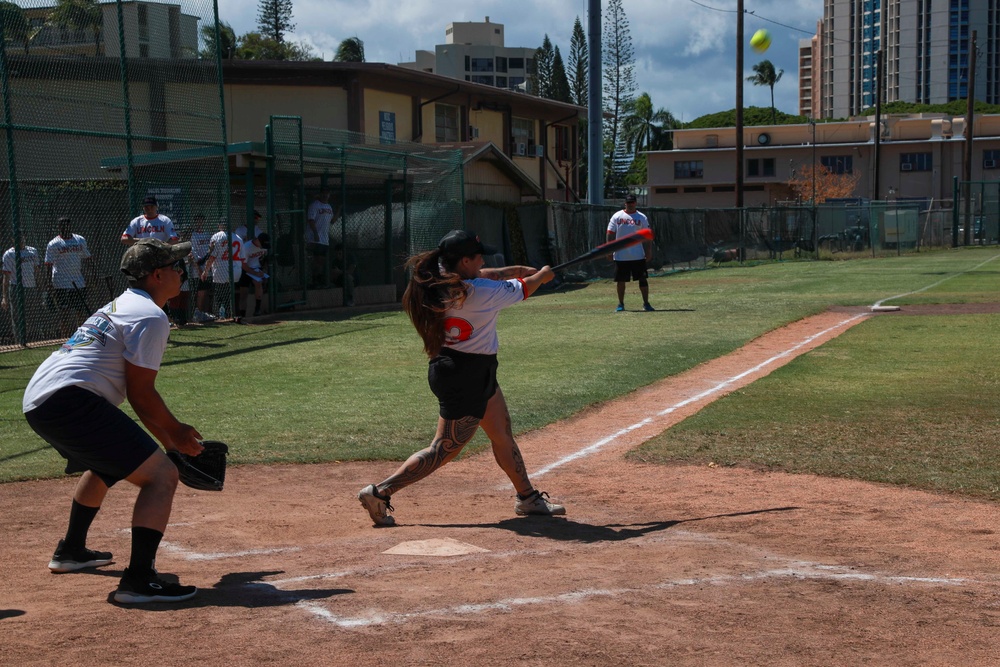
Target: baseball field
point(763, 471)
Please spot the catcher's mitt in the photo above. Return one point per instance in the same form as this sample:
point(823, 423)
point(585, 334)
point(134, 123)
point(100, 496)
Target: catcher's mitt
point(207, 471)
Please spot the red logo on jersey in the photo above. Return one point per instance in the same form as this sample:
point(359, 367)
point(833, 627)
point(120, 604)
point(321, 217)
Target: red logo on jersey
point(456, 330)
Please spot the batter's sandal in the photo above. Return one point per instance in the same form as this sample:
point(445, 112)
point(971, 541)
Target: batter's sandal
point(378, 506)
point(151, 588)
point(71, 560)
point(537, 503)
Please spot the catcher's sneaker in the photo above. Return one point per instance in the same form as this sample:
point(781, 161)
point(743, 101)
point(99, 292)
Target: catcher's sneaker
point(378, 506)
point(537, 503)
point(70, 560)
point(138, 590)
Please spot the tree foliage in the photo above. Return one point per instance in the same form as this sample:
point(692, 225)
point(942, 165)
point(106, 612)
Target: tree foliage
point(541, 80)
point(274, 20)
point(828, 184)
point(751, 116)
point(766, 75)
point(227, 43)
point(619, 78)
point(83, 15)
point(15, 25)
point(579, 57)
point(647, 129)
point(559, 88)
point(254, 46)
point(351, 50)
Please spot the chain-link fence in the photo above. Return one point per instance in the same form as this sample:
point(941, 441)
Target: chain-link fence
point(103, 105)
point(976, 219)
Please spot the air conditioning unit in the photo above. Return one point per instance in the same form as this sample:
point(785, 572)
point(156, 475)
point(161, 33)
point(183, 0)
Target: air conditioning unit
point(539, 151)
point(473, 132)
point(989, 164)
point(906, 166)
point(521, 149)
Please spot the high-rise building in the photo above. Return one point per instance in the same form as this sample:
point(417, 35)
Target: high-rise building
point(926, 46)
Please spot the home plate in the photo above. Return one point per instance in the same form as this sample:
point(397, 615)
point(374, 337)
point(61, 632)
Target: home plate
point(434, 547)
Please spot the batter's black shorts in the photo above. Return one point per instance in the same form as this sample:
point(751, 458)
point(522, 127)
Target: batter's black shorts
point(91, 434)
point(463, 383)
point(631, 270)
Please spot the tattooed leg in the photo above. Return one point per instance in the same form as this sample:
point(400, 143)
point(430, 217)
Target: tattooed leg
point(452, 435)
point(496, 424)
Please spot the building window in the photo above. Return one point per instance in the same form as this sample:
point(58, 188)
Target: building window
point(838, 164)
point(516, 63)
point(689, 169)
point(666, 191)
point(481, 65)
point(501, 82)
point(522, 131)
point(760, 167)
point(501, 64)
point(916, 162)
point(144, 50)
point(445, 122)
point(991, 159)
point(467, 65)
point(529, 66)
point(564, 148)
point(479, 78)
point(696, 189)
point(515, 81)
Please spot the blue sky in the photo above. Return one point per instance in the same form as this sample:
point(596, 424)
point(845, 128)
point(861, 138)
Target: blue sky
point(685, 49)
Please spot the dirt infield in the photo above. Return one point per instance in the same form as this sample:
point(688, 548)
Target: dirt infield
point(652, 565)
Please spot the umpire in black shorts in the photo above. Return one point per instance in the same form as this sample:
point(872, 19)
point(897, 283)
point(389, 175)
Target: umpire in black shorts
point(630, 263)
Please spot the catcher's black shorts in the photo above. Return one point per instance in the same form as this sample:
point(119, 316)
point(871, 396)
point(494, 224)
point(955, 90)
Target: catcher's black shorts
point(463, 383)
point(631, 270)
point(91, 434)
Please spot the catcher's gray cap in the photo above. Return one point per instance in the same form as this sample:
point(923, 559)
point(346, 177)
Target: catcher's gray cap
point(147, 255)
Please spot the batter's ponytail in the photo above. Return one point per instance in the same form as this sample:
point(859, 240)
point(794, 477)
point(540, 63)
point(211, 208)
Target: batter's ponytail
point(434, 287)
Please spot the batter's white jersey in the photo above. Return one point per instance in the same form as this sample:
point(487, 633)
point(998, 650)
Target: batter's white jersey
point(66, 256)
point(29, 262)
point(131, 328)
point(226, 252)
point(623, 224)
point(322, 214)
point(161, 227)
point(473, 327)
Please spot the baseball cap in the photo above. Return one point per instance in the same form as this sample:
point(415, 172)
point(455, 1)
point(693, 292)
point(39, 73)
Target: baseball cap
point(461, 243)
point(149, 201)
point(629, 199)
point(146, 255)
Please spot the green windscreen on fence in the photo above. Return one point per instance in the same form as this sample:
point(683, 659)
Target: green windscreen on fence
point(104, 104)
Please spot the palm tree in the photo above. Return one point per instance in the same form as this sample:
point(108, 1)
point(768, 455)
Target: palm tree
point(645, 129)
point(227, 41)
point(80, 15)
point(351, 50)
point(765, 75)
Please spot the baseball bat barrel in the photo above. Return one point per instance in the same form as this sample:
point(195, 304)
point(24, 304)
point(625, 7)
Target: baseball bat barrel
point(640, 236)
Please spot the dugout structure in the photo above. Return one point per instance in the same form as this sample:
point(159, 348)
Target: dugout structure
point(100, 102)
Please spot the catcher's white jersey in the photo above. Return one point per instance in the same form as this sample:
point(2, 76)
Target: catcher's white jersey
point(66, 256)
point(131, 328)
point(623, 224)
point(473, 327)
point(161, 227)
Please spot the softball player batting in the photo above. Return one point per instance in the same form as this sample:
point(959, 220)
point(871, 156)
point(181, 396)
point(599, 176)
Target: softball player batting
point(454, 303)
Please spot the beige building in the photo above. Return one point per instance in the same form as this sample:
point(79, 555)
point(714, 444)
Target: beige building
point(534, 141)
point(919, 156)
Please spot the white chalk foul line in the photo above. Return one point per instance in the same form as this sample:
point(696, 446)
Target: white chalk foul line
point(720, 387)
point(193, 555)
point(796, 570)
point(924, 289)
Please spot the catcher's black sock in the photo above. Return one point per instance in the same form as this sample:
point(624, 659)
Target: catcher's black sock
point(80, 518)
point(145, 542)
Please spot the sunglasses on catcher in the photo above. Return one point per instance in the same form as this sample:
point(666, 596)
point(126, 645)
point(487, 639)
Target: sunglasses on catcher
point(179, 266)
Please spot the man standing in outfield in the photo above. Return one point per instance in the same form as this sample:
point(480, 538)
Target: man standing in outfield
point(630, 263)
point(318, 219)
point(72, 403)
point(65, 256)
point(150, 225)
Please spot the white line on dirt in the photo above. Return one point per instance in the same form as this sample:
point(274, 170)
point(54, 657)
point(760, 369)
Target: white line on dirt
point(795, 570)
point(718, 388)
point(187, 554)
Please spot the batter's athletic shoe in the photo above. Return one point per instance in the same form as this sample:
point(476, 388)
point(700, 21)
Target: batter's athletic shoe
point(70, 560)
point(537, 503)
point(151, 588)
point(648, 308)
point(620, 308)
point(378, 506)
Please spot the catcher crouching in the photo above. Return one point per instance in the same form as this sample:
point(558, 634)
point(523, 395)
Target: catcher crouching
point(72, 403)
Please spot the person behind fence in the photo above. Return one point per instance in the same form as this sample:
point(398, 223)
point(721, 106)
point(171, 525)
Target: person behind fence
point(65, 257)
point(150, 225)
point(225, 251)
point(318, 218)
point(340, 278)
point(630, 263)
point(72, 402)
point(453, 303)
point(200, 240)
point(20, 295)
point(254, 275)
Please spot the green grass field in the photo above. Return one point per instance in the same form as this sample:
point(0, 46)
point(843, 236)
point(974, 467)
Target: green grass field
point(909, 400)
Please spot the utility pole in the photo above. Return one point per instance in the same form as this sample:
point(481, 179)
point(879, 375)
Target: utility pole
point(967, 161)
point(739, 104)
point(595, 105)
point(879, 60)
